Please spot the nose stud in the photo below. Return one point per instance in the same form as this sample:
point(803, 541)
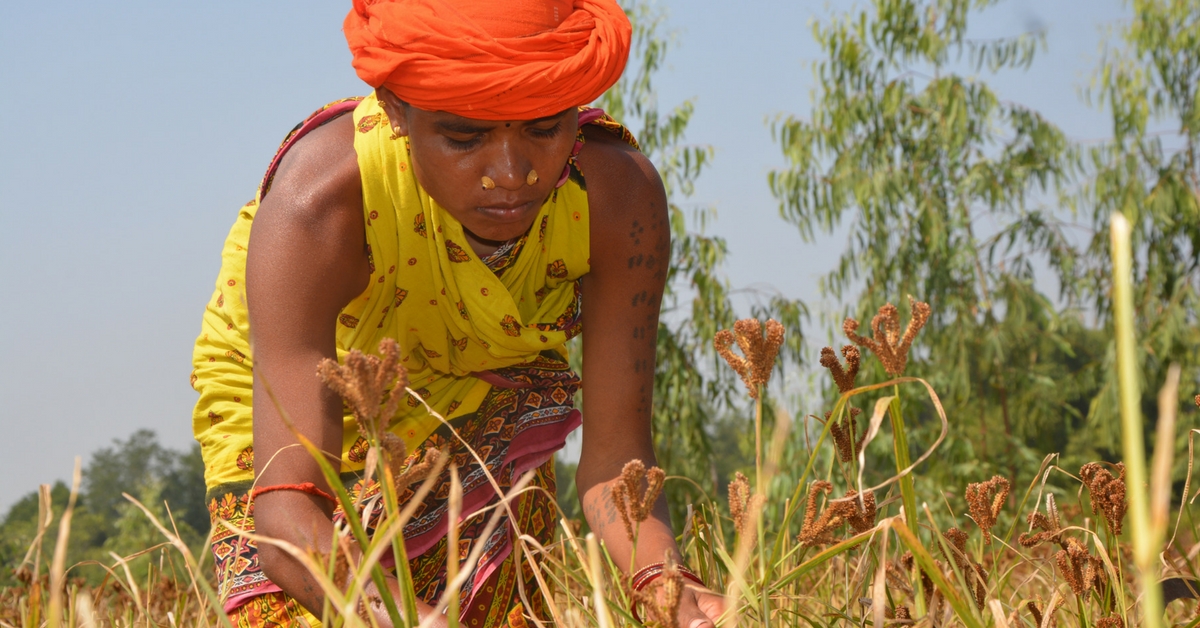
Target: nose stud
point(532, 177)
point(488, 184)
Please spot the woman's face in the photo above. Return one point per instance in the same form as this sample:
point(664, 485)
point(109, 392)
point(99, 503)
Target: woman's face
point(451, 155)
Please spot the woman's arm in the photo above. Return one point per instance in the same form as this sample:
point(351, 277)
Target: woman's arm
point(305, 261)
point(622, 295)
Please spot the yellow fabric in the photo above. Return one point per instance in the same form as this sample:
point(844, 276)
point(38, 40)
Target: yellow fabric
point(451, 314)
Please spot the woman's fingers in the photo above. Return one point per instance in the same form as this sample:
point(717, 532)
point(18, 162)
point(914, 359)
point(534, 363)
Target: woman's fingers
point(711, 604)
point(698, 610)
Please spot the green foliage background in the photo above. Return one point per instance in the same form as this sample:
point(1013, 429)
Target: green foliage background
point(104, 521)
point(959, 198)
point(949, 194)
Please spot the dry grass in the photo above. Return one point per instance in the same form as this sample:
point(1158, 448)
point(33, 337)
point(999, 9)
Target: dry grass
point(855, 556)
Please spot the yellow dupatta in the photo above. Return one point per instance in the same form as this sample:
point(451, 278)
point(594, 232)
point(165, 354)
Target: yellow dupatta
point(451, 314)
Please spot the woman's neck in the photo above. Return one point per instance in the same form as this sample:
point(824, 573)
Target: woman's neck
point(481, 246)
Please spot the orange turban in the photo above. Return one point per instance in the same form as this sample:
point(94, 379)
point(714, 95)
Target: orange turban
point(490, 59)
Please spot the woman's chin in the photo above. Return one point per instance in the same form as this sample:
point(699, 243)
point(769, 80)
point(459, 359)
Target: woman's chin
point(502, 224)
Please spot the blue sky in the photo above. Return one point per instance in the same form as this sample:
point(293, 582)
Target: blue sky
point(133, 131)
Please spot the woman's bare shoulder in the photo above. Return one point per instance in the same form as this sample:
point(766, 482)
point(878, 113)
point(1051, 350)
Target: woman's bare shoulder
point(319, 175)
point(608, 161)
point(308, 244)
point(626, 203)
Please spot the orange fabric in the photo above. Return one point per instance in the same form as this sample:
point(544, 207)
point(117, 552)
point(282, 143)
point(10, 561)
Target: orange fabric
point(517, 18)
point(490, 60)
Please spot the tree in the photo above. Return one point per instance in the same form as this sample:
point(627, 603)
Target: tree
point(944, 187)
point(103, 520)
point(915, 158)
point(183, 489)
point(126, 467)
point(1150, 172)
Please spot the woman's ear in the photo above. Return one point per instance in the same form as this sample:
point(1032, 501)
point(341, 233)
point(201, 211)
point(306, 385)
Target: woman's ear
point(395, 110)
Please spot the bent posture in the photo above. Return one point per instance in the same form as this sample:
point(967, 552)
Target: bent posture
point(472, 210)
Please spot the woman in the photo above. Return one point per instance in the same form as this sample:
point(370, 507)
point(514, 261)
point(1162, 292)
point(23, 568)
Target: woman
point(468, 208)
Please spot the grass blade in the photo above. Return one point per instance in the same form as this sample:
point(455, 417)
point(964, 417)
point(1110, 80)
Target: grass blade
point(822, 557)
point(908, 493)
point(452, 609)
point(54, 618)
point(1145, 543)
point(1164, 454)
point(962, 608)
point(597, 573)
point(193, 566)
point(333, 479)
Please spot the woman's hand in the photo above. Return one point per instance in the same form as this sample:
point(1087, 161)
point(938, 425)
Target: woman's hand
point(698, 607)
point(374, 603)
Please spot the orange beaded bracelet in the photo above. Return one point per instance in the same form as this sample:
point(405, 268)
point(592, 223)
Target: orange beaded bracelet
point(303, 487)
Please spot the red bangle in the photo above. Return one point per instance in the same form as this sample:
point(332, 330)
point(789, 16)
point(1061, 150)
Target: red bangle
point(650, 573)
point(303, 487)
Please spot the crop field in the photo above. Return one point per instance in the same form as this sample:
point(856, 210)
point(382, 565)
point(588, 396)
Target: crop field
point(986, 453)
point(836, 552)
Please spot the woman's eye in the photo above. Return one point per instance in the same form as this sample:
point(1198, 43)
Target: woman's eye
point(464, 144)
point(550, 132)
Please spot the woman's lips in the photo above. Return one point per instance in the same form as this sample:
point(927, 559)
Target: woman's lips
point(508, 213)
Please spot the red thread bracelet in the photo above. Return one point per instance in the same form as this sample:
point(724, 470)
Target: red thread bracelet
point(650, 573)
point(303, 487)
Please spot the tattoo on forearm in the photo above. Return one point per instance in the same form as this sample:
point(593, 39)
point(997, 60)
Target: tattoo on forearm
point(643, 407)
point(600, 510)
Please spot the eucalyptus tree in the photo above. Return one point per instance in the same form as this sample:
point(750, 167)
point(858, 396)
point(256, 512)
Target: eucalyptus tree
point(1149, 80)
point(940, 186)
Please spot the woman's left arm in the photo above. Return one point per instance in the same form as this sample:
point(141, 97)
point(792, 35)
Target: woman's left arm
point(622, 295)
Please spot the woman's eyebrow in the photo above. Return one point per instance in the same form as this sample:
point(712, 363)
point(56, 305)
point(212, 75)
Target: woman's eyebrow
point(461, 126)
point(549, 118)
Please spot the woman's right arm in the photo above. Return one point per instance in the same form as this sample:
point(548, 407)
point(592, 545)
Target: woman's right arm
point(305, 261)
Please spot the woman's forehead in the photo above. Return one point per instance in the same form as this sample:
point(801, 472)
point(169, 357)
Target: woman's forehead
point(450, 121)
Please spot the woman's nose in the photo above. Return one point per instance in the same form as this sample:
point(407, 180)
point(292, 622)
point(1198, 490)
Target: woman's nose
point(509, 166)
